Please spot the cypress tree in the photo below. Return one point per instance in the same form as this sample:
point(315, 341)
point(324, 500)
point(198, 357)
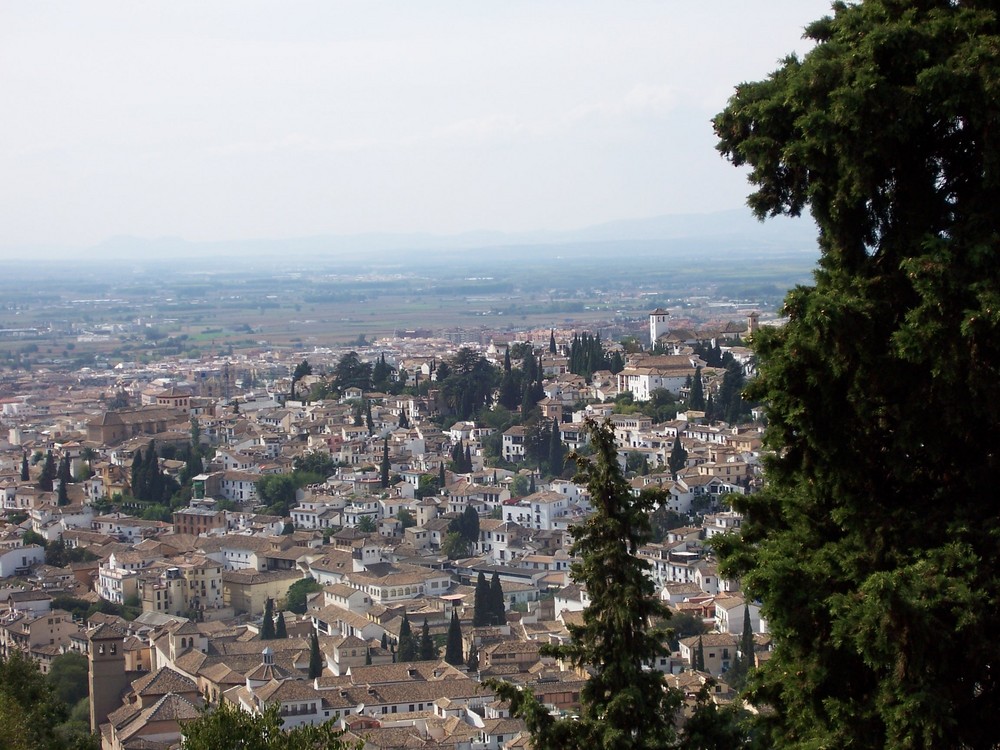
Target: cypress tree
point(136, 476)
point(315, 658)
point(48, 475)
point(280, 630)
point(267, 626)
point(385, 463)
point(483, 614)
point(552, 341)
point(623, 704)
point(368, 657)
point(697, 398)
point(467, 461)
point(557, 454)
point(472, 664)
point(453, 650)
point(678, 457)
point(441, 476)
point(404, 421)
point(385, 641)
point(407, 643)
point(498, 607)
point(699, 656)
point(25, 475)
point(62, 497)
point(428, 650)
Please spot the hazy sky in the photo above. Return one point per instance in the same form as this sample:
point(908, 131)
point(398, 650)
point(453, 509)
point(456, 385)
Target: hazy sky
point(231, 120)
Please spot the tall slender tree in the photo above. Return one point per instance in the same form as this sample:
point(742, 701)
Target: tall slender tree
point(483, 613)
point(25, 475)
point(428, 650)
point(453, 648)
point(267, 624)
point(407, 642)
point(498, 606)
point(315, 657)
point(623, 704)
point(384, 469)
point(47, 478)
point(280, 629)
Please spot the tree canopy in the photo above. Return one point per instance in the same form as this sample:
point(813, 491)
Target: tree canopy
point(871, 548)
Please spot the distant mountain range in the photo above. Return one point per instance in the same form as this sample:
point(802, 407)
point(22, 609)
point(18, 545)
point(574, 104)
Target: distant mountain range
point(675, 234)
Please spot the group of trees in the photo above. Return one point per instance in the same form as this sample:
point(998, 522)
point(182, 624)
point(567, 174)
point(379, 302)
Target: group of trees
point(467, 383)
point(544, 448)
point(272, 627)
point(490, 607)
point(148, 481)
point(587, 355)
point(463, 534)
point(410, 648)
point(45, 712)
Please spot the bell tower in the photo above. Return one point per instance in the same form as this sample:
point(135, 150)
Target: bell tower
point(658, 325)
point(106, 671)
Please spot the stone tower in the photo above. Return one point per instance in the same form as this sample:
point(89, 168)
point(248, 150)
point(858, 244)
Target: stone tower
point(752, 322)
point(106, 670)
point(658, 324)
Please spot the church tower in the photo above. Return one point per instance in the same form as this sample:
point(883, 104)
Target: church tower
point(658, 325)
point(108, 678)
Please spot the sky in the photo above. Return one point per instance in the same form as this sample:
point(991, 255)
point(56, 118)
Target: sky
point(243, 119)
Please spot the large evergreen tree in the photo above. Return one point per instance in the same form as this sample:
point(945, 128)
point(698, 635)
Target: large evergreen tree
point(280, 629)
point(678, 457)
point(428, 650)
point(407, 642)
point(47, 478)
point(872, 548)
point(453, 648)
point(482, 617)
point(267, 625)
point(25, 475)
point(623, 704)
point(315, 657)
point(498, 607)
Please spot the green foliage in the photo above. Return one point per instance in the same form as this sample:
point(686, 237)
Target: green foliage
point(696, 398)
point(453, 650)
point(454, 546)
point(277, 491)
point(871, 549)
point(482, 615)
point(428, 650)
point(407, 643)
point(230, 728)
point(33, 537)
point(295, 599)
point(351, 372)
point(587, 355)
point(267, 624)
point(678, 457)
point(468, 386)
point(280, 629)
point(623, 705)
point(317, 462)
point(68, 677)
point(497, 604)
point(406, 518)
point(366, 524)
point(32, 714)
point(315, 657)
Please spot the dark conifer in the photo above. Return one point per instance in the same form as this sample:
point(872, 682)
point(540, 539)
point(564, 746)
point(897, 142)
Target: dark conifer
point(453, 650)
point(483, 613)
point(267, 625)
point(428, 650)
point(407, 643)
